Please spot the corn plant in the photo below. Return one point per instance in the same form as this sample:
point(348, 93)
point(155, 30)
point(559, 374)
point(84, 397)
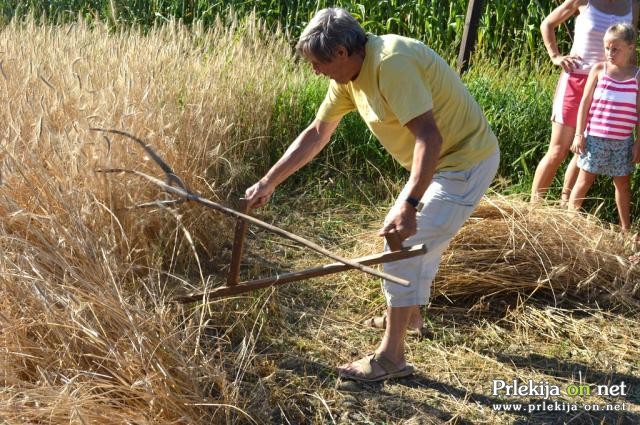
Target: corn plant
point(508, 30)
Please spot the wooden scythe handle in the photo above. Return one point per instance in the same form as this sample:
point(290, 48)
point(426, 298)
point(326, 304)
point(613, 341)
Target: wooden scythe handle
point(238, 242)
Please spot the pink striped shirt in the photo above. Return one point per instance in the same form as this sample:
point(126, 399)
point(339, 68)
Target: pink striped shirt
point(613, 112)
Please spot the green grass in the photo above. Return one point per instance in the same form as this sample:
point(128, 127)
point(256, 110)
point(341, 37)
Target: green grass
point(518, 106)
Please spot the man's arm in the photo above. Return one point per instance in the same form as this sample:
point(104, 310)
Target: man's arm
point(425, 158)
point(303, 149)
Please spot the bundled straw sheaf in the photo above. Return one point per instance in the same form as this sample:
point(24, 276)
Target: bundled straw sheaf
point(87, 335)
point(512, 249)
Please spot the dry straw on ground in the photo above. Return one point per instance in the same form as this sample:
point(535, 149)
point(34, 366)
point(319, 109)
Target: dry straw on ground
point(503, 307)
point(510, 251)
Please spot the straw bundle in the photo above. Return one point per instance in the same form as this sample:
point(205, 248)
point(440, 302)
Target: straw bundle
point(509, 247)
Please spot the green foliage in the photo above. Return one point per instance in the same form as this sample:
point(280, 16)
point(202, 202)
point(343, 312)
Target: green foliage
point(518, 106)
point(508, 29)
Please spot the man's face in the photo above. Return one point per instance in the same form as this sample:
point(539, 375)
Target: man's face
point(341, 68)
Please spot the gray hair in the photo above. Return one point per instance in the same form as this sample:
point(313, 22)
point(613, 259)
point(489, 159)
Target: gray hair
point(328, 29)
point(624, 32)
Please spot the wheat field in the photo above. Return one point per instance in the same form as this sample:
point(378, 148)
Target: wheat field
point(87, 335)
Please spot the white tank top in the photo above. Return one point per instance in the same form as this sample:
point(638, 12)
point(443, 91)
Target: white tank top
point(590, 27)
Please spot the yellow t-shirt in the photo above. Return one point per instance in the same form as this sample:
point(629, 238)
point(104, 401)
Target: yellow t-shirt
point(400, 79)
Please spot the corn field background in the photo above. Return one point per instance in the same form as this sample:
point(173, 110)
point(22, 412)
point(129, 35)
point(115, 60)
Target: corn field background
point(508, 30)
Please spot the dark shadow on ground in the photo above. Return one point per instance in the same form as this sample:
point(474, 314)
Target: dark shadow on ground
point(442, 316)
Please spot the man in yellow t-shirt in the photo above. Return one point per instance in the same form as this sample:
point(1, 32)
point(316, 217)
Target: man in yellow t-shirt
point(423, 115)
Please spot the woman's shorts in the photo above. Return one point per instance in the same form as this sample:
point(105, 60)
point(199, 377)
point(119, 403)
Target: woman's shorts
point(607, 157)
point(567, 99)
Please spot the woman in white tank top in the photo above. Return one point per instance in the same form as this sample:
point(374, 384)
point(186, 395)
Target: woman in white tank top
point(594, 17)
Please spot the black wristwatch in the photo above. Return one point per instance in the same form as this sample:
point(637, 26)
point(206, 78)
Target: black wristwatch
point(415, 203)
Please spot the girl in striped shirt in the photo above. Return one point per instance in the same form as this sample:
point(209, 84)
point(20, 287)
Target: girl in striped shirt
point(607, 116)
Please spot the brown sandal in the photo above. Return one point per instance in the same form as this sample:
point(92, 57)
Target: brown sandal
point(365, 364)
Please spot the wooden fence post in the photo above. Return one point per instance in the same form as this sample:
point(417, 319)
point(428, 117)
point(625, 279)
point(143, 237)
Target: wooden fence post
point(470, 34)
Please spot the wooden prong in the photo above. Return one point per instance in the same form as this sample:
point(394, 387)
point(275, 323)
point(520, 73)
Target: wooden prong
point(227, 290)
point(393, 241)
point(238, 242)
point(194, 197)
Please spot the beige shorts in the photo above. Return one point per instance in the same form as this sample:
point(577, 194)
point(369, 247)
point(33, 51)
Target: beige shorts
point(448, 202)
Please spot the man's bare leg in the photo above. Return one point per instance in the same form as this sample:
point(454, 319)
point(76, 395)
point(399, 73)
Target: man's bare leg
point(392, 345)
point(380, 322)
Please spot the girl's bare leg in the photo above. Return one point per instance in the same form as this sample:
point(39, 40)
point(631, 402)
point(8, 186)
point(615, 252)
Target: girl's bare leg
point(570, 177)
point(623, 200)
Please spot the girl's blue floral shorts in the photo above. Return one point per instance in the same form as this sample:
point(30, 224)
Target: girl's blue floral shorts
point(607, 157)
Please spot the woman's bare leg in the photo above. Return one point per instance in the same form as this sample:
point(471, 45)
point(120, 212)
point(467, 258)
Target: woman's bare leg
point(561, 139)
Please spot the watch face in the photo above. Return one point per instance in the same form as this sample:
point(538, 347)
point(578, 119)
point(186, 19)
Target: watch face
point(413, 202)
